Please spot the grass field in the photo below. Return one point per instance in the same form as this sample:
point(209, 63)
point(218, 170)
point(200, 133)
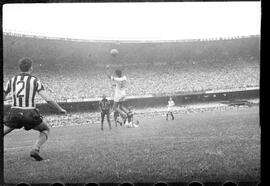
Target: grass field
point(204, 146)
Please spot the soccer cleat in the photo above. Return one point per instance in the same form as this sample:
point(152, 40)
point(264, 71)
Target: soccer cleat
point(35, 154)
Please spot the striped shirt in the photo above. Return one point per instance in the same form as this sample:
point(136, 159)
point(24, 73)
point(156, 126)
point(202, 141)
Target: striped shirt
point(104, 105)
point(23, 88)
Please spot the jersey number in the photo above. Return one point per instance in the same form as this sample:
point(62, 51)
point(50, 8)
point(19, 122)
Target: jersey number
point(19, 95)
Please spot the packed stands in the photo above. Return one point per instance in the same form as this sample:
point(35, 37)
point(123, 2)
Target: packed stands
point(76, 69)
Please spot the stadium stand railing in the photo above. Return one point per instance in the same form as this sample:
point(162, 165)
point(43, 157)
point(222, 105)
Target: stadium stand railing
point(91, 105)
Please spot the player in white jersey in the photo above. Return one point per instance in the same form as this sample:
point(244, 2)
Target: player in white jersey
point(119, 92)
point(171, 104)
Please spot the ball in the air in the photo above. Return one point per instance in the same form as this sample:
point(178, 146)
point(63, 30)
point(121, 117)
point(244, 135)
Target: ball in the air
point(114, 52)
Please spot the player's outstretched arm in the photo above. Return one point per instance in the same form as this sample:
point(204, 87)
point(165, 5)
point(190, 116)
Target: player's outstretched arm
point(7, 91)
point(7, 97)
point(108, 71)
point(99, 106)
point(50, 101)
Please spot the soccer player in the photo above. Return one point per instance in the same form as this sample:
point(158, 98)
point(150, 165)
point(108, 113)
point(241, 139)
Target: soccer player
point(130, 119)
point(116, 118)
point(119, 93)
point(115, 113)
point(24, 113)
point(104, 106)
point(170, 108)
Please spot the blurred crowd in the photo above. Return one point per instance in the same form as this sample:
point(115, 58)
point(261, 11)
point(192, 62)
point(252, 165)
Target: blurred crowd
point(76, 70)
point(81, 83)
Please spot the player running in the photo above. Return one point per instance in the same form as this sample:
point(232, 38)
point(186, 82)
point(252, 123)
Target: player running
point(170, 108)
point(119, 92)
point(24, 113)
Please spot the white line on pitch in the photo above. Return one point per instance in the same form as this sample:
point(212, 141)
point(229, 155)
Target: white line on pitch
point(14, 148)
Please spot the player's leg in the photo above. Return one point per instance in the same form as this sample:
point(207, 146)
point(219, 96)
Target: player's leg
point(118, 100)
point(124, 117)
point(121, 105)
point(130, 118)
point(167, 115)
point(44, 131)
point(123, 108)
point(116, 107)
point(108, 119)
point(115, 115)
point(102, 119)
point(127, 111)
point(172, 115)
point(7, 130)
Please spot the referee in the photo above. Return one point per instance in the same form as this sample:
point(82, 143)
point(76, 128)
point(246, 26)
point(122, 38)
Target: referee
point(104, 106)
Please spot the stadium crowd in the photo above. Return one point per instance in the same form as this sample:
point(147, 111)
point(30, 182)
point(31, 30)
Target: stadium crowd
point(144, 80)
point(76, 70)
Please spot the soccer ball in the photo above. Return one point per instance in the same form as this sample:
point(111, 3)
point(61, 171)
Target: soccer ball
point(136, 124)
point(114, 52)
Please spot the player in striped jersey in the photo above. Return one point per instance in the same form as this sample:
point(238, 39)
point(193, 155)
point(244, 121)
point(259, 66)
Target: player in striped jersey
point(23, 88)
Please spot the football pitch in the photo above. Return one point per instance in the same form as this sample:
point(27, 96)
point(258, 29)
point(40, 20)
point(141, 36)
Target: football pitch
point(204, 146)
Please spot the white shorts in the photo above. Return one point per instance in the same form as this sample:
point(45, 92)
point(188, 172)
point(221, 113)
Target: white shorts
point(169, 109)
point(119, 97)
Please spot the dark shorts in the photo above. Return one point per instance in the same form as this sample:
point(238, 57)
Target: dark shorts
point(116, 114)
point(27, 118)
point(105, 111)
point(130, 116)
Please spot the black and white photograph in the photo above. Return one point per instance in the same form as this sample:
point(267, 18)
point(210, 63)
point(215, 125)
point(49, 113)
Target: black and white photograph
point(131, 92)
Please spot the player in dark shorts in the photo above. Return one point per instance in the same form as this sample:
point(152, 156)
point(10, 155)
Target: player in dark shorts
point(104, 106)
point(23, 88)
point(129, 114)
point(116, 116)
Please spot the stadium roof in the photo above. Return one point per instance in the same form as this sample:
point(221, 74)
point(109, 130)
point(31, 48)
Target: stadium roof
point(19, 34)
